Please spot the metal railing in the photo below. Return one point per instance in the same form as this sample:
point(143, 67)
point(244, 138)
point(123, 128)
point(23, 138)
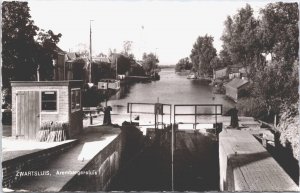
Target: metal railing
point(196, 110)
point(157, 109)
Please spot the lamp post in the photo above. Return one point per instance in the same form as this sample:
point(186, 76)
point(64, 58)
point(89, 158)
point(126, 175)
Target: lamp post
point(90, 66)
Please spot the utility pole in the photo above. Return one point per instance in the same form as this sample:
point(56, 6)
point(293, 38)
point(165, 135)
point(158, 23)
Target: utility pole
point(116, 67)
point(90, 66)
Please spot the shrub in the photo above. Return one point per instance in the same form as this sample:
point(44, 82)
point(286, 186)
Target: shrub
point(251, 107)
point(289, 128)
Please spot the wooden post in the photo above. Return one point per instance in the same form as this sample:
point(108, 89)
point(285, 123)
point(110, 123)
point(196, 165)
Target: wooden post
point(91, 118)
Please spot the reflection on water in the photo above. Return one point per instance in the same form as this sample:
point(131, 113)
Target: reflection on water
point(170, 89)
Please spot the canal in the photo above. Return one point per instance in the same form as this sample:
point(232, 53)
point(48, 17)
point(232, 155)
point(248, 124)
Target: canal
point(195, 155)
point(172, 89)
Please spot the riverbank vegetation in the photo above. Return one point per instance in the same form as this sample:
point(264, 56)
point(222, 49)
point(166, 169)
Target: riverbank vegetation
point(150, 63)
point(268, 47)
point(183, 64)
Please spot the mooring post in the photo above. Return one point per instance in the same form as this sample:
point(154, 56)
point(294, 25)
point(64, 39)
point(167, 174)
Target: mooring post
point(172, 159)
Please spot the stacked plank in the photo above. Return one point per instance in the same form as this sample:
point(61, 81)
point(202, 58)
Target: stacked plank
point(53, 132)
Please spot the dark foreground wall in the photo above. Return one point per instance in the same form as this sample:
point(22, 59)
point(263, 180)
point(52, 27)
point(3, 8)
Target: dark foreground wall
point(195, 158)
point(34, 161)
point(108, 162)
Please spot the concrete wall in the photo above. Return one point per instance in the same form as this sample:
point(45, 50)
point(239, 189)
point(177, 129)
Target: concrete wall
point(246, 166)
point(30, 162)
point(106, 163)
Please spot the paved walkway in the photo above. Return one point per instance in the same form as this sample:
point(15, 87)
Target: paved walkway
point(62, 168)
point(246, 166)
point(12, 148)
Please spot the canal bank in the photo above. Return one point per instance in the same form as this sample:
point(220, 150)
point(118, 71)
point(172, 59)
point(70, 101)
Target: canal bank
point(172, 88)
point(108, 158)
point(122, 158)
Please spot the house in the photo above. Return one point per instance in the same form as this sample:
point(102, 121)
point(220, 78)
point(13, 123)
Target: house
point(219, 73)
point(234, 87)
point(59, 64)
point(233, 71)
point(101, 68)
point(63, 64)
point(73, 72)
point(35, 103)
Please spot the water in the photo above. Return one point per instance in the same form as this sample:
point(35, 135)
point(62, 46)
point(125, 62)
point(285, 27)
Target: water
point(170, 89)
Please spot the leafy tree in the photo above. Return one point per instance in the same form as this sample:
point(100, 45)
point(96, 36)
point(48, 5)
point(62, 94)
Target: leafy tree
point(183, 64)
point(241, 39)
point(202, 54)
point(279, 31)
point(275, 87)
point(122, 61)
point(79, 69)
point(18, 45)
point(149, 63)
point(127, 47)
point(216, 63)
point(46, 53)
point(225, 59)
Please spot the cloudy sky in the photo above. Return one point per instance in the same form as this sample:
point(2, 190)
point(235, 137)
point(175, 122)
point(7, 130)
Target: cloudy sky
point(167, 28)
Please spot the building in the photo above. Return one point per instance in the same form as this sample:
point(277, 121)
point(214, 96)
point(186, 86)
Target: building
point(35, 103)
point(234, 87)
point(101, 68)
point(219, 73)
point(60, 64)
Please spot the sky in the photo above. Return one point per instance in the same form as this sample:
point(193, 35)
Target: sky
point(167, 28)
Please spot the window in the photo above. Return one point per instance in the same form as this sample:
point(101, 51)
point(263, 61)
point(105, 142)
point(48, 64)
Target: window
point(49, 101)
point(76, 99)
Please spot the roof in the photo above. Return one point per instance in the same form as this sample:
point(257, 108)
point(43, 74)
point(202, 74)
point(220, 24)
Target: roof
point(139, 63)
point(235, 68)
point(236, 83)
point(46, 83)
point(102, 59)
point(72, 55)
point(59, 51)
point(222, 68)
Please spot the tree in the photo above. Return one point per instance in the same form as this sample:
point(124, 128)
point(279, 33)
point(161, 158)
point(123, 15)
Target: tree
point(79, 69)
point(18, 46)
point(202, 54)
point(183, 64)
point(46, 49)
point(279, 31)
point(275, 87)
point(127, 47)
point(241, 40)
point(225, 58)
point(122, 61)
point(149, 63)
point(82, 49)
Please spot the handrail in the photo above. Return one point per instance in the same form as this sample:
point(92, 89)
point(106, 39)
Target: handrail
point(196, 113)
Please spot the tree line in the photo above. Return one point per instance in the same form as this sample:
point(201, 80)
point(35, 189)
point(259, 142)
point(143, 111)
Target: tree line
point(26, 49)
point(248, 41)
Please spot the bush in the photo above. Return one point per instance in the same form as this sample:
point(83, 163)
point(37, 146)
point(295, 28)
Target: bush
point(251, 107)
point(289, 128)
